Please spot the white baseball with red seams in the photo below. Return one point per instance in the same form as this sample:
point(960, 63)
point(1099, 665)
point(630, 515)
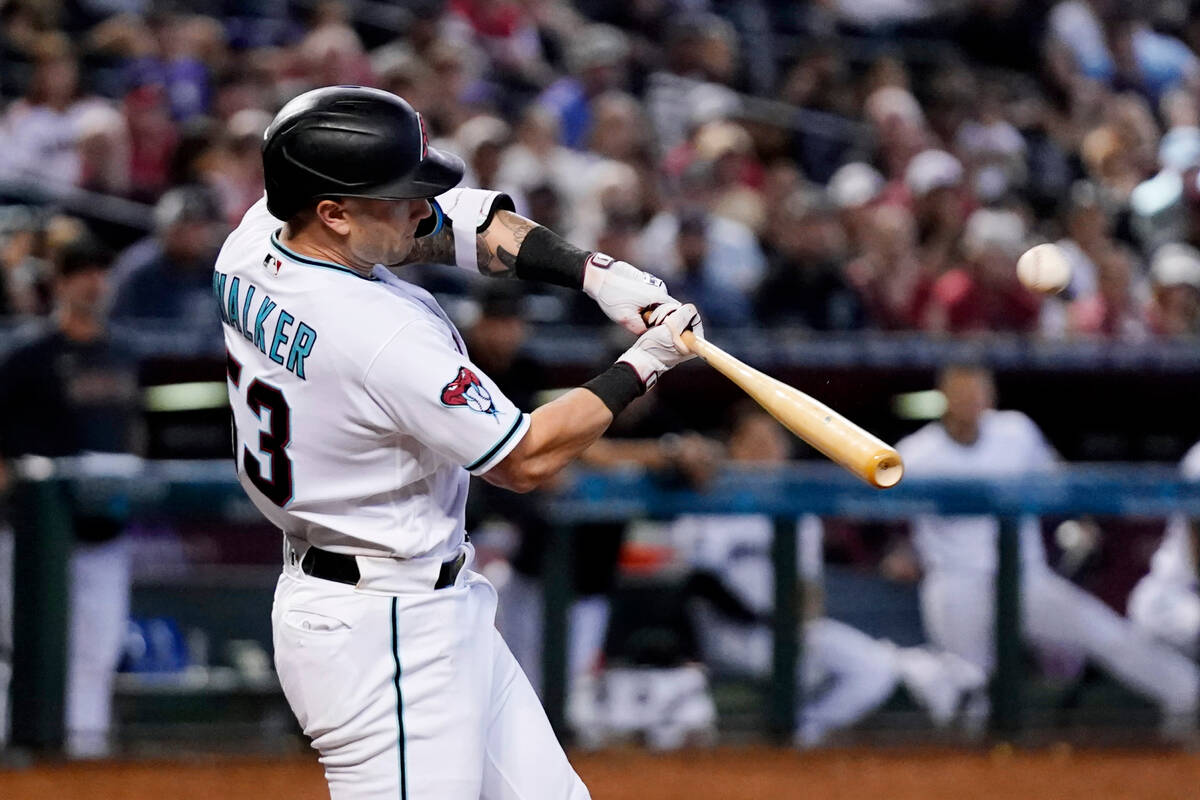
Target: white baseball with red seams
point(1044, 269)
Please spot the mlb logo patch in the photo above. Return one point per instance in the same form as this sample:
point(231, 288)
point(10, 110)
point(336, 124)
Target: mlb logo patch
point(466, 391)
point(272, 264)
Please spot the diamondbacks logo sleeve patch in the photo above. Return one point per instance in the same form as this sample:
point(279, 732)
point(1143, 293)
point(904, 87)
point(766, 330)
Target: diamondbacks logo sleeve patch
point(467, 391)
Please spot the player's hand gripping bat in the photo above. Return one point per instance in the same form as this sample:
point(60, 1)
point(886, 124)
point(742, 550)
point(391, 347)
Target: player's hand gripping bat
point(862, 453)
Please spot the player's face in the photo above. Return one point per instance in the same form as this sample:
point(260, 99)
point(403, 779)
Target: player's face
point(758, 439)
point(84, 293)
point(383, 231)
point(968, 394)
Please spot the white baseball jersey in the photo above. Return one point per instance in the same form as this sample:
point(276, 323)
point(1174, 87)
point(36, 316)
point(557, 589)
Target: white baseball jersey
point(1009, 445)
point(736, 548)
point(1173, 561)
point(358, 412)
point(1166, 601)
point(41, 144)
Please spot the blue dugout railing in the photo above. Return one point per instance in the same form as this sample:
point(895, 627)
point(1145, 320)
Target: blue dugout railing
point(208, 489)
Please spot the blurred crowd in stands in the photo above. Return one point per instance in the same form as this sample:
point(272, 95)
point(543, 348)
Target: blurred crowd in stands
point(828, 165)
point(824, 165)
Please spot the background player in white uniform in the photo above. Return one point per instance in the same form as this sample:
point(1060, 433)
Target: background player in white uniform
point(958, 555)
point(1166, 601)
point(358, 417)
point(846, 674)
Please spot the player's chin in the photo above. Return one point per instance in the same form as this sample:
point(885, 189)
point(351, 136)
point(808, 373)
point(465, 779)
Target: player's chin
point(399, 255)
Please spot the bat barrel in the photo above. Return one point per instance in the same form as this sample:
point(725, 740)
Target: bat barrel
point(842, 441)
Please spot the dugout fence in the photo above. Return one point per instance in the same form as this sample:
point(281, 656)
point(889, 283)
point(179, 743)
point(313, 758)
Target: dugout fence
point(179, 489)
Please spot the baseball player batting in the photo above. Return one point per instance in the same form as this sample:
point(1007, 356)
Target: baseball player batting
point(358, 417)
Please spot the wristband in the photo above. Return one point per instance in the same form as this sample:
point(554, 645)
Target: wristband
point(467, 213)
point(617, 387)
point(547, 257)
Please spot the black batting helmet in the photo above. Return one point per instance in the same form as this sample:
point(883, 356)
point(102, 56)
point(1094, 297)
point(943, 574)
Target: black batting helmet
point(351, 141)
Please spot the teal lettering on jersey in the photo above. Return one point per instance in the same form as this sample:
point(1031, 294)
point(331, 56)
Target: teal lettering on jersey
point(219, 291)
point(264, 311)
point(302, 345)
point(280, 337)
point(233, 304)
point(303, 337)
point(250, 287)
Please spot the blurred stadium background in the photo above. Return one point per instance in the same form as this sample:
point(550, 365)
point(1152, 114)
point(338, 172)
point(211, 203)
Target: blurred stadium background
point(843, 188)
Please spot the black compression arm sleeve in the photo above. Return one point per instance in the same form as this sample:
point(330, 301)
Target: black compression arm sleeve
point(547, 257)
point(617, 387)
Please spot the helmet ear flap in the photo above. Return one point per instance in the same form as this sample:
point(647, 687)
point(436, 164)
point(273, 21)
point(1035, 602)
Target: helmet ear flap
point(433, 223)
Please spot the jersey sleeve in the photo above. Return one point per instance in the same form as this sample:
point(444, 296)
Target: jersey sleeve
point(470, 211)
point(913, 449)
point(1041, 454)
point(1190, 466)
point(433, 392)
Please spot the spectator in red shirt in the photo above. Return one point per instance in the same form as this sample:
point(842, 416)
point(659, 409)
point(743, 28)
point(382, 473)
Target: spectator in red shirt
point(984, 294)
point(894, 284)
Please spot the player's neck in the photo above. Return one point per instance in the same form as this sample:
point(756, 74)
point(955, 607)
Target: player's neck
point(963, 431)
point(312, 241)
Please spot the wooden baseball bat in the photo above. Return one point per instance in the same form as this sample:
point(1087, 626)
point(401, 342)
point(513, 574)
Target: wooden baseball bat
point(845, 443)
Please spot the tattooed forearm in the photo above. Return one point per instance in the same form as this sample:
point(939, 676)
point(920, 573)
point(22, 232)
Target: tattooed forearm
point(435, 249)
point(516, 224)
point(508, 259)
point(499, 244)
point(487, 266)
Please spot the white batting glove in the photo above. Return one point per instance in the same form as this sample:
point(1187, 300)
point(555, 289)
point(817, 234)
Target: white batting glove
point(623, 292)
point(660, 348)
point(678, 318)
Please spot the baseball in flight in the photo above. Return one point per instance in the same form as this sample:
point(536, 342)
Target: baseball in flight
point(1044, 269)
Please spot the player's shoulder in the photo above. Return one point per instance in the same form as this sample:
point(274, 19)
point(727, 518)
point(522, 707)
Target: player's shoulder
point(926, 439)
point(258, 220)
point(1190, 465)
point(252, 235)
point(27, 344)
point(369, 316)
point(1010, 423)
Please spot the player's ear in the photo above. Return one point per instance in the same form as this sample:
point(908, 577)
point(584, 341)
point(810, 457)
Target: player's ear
point(331, 212)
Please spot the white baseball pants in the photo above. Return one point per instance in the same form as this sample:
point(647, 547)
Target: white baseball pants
point(1168, 610)
point(410, 693)
point(99, 616)
point(959, 612)
point(99, 612)
point(846, 676)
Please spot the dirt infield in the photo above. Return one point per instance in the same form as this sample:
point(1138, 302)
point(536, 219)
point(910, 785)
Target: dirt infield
point(726, 773)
